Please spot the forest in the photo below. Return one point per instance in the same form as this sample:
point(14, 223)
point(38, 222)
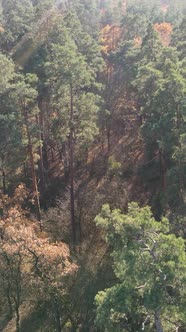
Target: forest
point(92, 165)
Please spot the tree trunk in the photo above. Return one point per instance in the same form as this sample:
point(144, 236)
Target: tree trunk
point(42, 151)
point(52, 154)
point(102, 139)
point(80, 209)
point(17, 298)
point(181, 182)
point(41, 169)
point(108, 139)
point(58, 320)
point(10, 314)
point(41, 164)
point(17, 319)
point(66, 168)
point(71, 142)
point(34, 179)
point(25, 170)
point(45, 155)
point(178, 117)
point(4, 181)
point(163, 169)
point(157, 320)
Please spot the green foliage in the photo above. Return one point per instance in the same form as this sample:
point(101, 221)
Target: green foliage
point(18, 92)
point(89, 16)
point(114, 167)
point(149, 263)
point(10, 132)
point(17, 20)
point(7, 73)
point(178, 39)
point(55, 111)
point(71, 77)
point(162, 87)
point(134, 25)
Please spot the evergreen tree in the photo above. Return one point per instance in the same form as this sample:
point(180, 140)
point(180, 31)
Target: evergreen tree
point(10, 132)
point(162, 85)
point(71, 79)
point(179, 38)
point(17, 20)
point(149, 264)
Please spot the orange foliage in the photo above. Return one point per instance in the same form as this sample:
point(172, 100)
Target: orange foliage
point(165, 31)
point(21, 238)
point(137, 41)
point(110, 37)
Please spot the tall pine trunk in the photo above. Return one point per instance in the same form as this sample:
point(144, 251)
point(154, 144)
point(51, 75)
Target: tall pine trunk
point(180, 177)
point(40, 119)
point(58, 320)
point(33, 173)
point(17, 297)
point(4, 181)
point(163, 170)
point(41, 164)
point(9, 301)
point(71, 147)
point(3, 175)
point(66, 160)
point(108, 139)
point(17, 319)
point(157, 319)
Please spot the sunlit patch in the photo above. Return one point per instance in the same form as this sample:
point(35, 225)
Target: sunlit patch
point(24, 49)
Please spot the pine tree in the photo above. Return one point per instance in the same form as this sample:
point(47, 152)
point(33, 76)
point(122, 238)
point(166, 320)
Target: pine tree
point(17, 20)
point(161, 84)
point(10, 132)
point(149, 265)
point(71, 78)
